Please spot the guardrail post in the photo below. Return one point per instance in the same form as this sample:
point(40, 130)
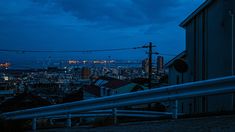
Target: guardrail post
point(175, 110)
point(34, 124)
point(80, 120)
point(114, 115)
point(51, 121)
point(69, 122)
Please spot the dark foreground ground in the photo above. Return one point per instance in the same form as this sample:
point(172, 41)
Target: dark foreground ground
point(203, 124)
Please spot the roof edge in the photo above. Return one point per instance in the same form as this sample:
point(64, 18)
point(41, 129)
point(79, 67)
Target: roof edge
point(180, 55)
point(195, 12)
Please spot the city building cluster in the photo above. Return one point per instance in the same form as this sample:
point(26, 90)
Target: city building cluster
point(76, 80)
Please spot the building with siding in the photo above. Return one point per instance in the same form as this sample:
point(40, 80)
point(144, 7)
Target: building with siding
point(210, 50)
point(174, 77)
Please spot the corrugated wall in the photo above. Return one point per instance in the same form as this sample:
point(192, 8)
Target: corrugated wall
point(208, 44)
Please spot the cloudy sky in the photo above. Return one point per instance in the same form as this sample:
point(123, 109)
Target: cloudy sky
point(92, 24)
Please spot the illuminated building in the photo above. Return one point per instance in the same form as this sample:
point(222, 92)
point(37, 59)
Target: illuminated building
point(85, 73)
point(160, 63)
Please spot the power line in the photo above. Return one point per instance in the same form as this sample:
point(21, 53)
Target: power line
point(66, 51)
point(77, 51)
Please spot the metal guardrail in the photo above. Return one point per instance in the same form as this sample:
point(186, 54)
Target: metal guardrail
point(169, 93)
point(109, 113)
point(7, 92)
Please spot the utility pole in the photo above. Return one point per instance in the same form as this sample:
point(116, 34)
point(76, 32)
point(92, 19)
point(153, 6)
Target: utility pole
point(150, 53)
point(109, 60)
point(232, 16)
point(150, 64)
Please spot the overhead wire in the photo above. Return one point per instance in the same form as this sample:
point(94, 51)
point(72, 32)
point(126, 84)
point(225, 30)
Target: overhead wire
point(64, 51)
point(77, 51)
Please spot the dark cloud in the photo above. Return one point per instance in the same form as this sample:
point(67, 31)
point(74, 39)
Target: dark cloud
point(93, 24)
point(156, 10)
point(120, 13)
point(106, 13)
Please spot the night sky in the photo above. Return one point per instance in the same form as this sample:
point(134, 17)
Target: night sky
point(92, 24)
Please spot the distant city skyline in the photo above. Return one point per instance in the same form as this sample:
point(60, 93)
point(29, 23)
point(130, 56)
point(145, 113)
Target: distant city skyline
point(92, 25)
